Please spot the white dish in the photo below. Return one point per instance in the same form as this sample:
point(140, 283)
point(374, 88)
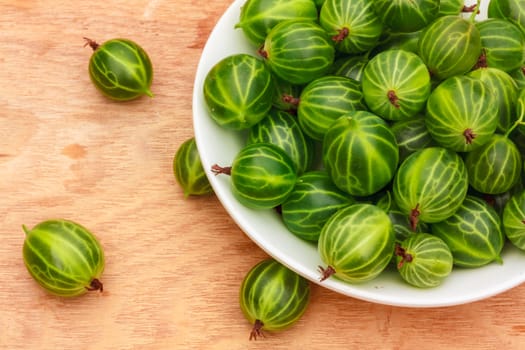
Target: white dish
point(264, 227)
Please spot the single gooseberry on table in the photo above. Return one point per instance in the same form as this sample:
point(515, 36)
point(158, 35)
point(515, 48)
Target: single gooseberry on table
point(273, 297)
point(120, 69)
point(63, 257)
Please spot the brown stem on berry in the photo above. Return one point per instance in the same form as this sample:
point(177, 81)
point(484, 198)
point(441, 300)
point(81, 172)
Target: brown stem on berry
point(217, 169)
point(95, 285)
point(262, 52)
point(290, 99)
point(405, 257)
point(392, 97)
point(414, 217)
point(482, 60)
point(92, 43)
point(257, 330)
point(341, 35)
point(326, 272)
point(469, 136)
point(470, 8)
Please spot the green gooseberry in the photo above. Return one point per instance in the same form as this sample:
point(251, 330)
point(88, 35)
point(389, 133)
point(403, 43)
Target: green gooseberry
point(238, 91)
point(262, 175)
point(272, 297)
point(120, 69)
point(423, 260)
point(188, 170)
point(65, 258)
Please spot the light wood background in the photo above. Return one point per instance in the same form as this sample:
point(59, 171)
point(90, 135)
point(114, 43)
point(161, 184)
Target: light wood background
point(174, 265)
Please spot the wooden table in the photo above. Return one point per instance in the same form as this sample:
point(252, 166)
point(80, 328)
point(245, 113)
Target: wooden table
point(174, 265)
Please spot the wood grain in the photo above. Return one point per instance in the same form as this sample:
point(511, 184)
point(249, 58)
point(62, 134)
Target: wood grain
point(174, 265)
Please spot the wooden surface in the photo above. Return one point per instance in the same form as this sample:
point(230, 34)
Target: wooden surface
point(173, 265)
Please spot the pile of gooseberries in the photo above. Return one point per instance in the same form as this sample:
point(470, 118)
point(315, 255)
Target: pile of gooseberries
point(392, 140)
point(380, 137)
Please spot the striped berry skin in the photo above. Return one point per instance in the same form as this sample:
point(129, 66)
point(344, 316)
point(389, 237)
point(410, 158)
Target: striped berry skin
point(505, 90)
point(495, 167)
point(262, 175)
point(430, 185)
point(273, 297)
point(411, 135)
point(407, 16)
point(510, 10)
point(188, 170)
point(120, 69)
point(424, 260)
point(298, 51)
point(353, 25)
point(311, 203)
point(356, 243)
point(513, 220)
point(396, 84)
point(503, 44)
point(462, 113)
point(324, 100)
point(451, 7)
point(238, 91)
point(63, 257)
point(473, 233)
point(451, 45)
point(258, 17)
point(282, 129)
point(360, 153)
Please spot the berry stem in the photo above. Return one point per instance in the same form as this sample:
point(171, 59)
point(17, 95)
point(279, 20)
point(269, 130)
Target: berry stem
point(405, 257)
point(471, 8)
point(392, 97)
point(414, 217)
point(257, 330)
point(92, 43)
point(469, 136)
point(341, 34)
point(482, 60)
point(326, 272)
point(217, 169)
point(261, 51)
point(95, 285)
point(290, 99)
